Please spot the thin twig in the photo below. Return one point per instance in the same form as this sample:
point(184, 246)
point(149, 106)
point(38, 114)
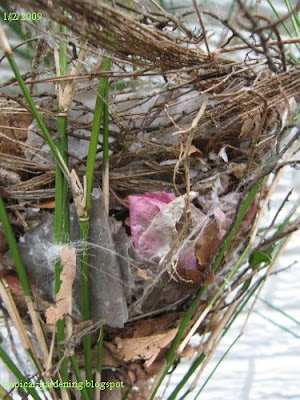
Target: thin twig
point(202, 26)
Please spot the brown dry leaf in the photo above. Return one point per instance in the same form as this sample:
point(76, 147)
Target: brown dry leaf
point(191, 276)
point(210, 278)
point(14, 126)
point(145, 348)
point(207, 244)
point(156, 325)
point(142, 273)
point(64, 296)
point(47, 204)
point(247, 128)
point(193, 149)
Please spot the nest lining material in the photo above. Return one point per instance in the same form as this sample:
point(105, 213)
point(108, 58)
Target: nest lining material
point(228, 123)
point(207, 153)
point(241, 122)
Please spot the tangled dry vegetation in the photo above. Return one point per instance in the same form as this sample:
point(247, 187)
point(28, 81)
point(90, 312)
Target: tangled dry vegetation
point(184, 118)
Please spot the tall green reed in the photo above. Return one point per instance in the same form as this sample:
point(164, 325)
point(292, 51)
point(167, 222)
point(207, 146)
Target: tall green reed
point(172, 355)
point(61, 214)
point(99, 117)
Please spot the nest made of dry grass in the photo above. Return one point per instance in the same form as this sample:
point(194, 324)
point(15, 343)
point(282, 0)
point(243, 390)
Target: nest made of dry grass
point(246, 110)
point(237, 92)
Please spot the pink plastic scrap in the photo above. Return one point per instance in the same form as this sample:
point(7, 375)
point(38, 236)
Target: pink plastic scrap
point(154, 219)
point(142, 209)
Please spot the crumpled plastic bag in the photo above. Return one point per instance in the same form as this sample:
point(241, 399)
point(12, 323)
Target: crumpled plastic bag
point(142, 212)
point(108, 263)
point(154, 219)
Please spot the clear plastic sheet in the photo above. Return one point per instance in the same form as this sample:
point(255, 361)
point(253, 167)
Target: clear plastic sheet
point(108, 264)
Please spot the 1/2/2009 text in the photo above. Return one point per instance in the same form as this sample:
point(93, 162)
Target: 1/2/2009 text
point(28, 16)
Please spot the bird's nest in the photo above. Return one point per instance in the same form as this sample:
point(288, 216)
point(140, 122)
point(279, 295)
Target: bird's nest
point(192, 133)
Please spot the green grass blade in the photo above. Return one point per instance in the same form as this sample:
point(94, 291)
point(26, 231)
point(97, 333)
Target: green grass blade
point(105, 189)
point(105, 152)
point(84, 225)
point(294, 17)
point(61, 222)
point(171, 355)
point(274, 9)
point(187, 376)
point(216, 367)
point(284, 25)
point(78, 377)
point(274, 248)
point(9, 55)
point(12, 243)
point(98, 116)
point(284, 328)
point(209, 305)
point(241, 214)
point(270, 305)
point(4, 394)
point(281, 227)
point(244, 301)
point(17, 373)
point(84, 230)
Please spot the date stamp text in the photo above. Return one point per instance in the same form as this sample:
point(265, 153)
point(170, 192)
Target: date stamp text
point(22, 16)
